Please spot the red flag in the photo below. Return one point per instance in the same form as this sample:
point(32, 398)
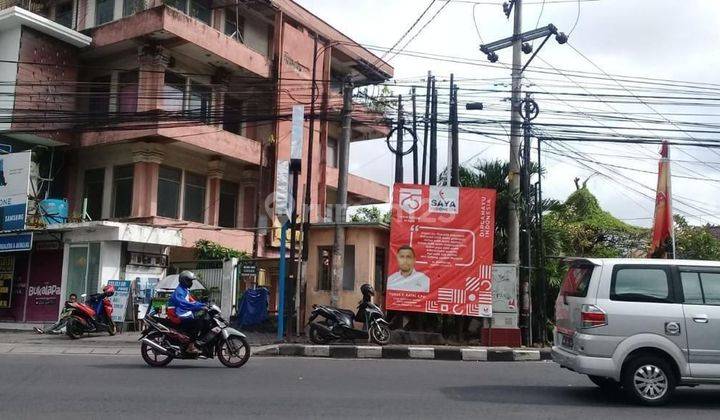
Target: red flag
point(662, 231)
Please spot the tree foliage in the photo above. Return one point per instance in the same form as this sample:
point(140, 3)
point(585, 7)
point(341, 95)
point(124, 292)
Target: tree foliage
point(209, 250)
point(370, 215)
point(695, 242)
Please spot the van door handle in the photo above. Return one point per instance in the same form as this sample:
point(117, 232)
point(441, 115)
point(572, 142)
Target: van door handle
point(700, 319)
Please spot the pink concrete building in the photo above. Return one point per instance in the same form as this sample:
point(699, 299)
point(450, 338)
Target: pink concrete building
point(169, 115)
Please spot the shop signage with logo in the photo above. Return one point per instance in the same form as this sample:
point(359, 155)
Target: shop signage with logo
point(12, 242)
point(14, 190)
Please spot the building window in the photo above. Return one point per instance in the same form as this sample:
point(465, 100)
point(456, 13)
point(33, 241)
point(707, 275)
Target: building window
point(169, 183)
point(122, 190)
point(104, 10)
point(64, 14)
point(227, 216)
point(128, 92)
point(93, 192)
point(194, 205)
point(234, 24)
point(199, 102)
point(130, 7)
point(199, 9)
point(332, 152)
point(99, 98)
point(232, 115)
point(379, 269)
point(173, 92)
point(324, 268)
point(349, 268)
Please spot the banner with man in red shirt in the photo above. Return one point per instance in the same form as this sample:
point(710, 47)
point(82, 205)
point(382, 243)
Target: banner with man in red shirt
point(441, 250)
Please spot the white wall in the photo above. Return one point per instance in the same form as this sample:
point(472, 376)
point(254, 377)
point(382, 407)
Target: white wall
point(110, 262)
point(9, 53)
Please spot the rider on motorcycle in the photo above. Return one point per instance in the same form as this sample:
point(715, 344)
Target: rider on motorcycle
point(182, 309)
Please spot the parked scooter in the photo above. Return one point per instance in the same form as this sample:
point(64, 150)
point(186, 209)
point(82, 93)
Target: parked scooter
point(162, 342)
point(338, 323)
point(94, 315)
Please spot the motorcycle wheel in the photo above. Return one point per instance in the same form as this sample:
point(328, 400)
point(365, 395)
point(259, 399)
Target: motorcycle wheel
point(112, 328)
point(73, 329)
point(380, 334)
point(150, 356)
point(233, 352)
point(316, 335)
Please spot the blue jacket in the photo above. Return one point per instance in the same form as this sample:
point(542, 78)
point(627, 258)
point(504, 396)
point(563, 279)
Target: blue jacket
point(181, 305)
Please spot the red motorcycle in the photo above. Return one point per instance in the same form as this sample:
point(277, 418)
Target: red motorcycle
point(94, 315)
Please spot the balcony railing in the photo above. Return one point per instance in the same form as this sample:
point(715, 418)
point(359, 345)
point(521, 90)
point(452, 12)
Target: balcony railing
point(35, 6)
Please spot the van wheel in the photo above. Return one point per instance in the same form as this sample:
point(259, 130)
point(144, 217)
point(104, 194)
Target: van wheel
point(649, 380)
point(605, 384)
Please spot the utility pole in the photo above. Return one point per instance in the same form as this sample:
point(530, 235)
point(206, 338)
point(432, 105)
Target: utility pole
point(454, 157)
point(541, 249)
point(432, 180)
point(399, 173)
point(513, 256)
point(528, 112)
point(414, 127)
point(426, 124)
point(338, 263)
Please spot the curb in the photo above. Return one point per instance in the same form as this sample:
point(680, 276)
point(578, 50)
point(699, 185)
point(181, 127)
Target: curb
point(405, 352)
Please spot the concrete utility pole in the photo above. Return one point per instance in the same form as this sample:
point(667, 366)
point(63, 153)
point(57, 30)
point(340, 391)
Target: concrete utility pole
point(338, 263)
point(399, 172)
point(515, 138)
point(454, 157)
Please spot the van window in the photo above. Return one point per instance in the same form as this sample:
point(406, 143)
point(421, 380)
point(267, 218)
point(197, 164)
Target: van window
point(640, 285)
point(711, 288)
point(577, 281)
point(691, 288)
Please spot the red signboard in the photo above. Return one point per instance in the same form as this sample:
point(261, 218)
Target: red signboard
point(441, 246)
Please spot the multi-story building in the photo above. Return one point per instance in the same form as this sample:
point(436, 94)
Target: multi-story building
point(160, 123)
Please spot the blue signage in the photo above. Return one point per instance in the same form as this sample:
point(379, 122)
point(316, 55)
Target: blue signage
point(16, 242)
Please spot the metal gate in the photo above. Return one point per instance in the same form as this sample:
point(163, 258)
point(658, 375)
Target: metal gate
point(209, 273)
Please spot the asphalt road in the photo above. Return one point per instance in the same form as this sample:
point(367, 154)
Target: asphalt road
point(107, 387)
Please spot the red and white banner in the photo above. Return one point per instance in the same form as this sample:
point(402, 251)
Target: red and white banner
point(441, 250)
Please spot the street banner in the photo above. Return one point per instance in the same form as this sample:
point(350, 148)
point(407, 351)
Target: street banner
point(120, 299)
point(441, 250)
point(14, 190)
point(662, 231)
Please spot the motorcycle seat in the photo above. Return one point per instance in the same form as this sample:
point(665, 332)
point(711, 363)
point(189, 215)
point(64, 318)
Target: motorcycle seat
point(346, 312)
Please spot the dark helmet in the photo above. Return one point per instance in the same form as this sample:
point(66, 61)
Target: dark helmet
point(367, 290)
point(186, 279)
point(108, 290)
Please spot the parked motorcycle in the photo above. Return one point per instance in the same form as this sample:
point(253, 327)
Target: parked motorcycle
point(161, 342)
point(94, 315)
point(338, 323)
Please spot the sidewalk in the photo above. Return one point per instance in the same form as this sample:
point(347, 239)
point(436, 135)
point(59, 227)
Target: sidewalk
point(126, 344)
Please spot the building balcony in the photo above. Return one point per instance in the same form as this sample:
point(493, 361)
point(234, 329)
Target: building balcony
point(361, 191)
point(172, 29)
point(206, 139)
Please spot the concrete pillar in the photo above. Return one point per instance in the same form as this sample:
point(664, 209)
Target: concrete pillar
point(153, 62)
point(147, 158)
point(247, 198)
point(229, 288)
point(221, 81)
point(216, 171)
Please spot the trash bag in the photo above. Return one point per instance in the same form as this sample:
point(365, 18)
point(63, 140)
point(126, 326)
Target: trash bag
point(253, 307)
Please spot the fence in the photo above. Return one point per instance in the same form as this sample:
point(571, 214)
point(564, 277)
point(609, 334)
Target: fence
point(210, 274)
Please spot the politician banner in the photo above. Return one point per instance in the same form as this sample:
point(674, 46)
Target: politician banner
point(441, 250)
point(14, 190)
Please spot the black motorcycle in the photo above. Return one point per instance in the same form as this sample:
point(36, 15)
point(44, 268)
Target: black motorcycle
point(162, 342)
point(338, 323)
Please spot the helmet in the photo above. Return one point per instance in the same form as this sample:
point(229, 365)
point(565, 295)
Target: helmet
point(367, 290)
point(108, 290)
point(186, 279)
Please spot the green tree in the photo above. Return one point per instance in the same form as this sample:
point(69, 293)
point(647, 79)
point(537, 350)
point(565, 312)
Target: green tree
point(209, 250)
point(695, 242)
point(370, 215)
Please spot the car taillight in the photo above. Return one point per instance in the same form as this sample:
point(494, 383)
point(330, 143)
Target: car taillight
point(592, 316)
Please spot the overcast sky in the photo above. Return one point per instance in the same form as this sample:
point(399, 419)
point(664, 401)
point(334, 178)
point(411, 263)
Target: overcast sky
point(668, 39)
